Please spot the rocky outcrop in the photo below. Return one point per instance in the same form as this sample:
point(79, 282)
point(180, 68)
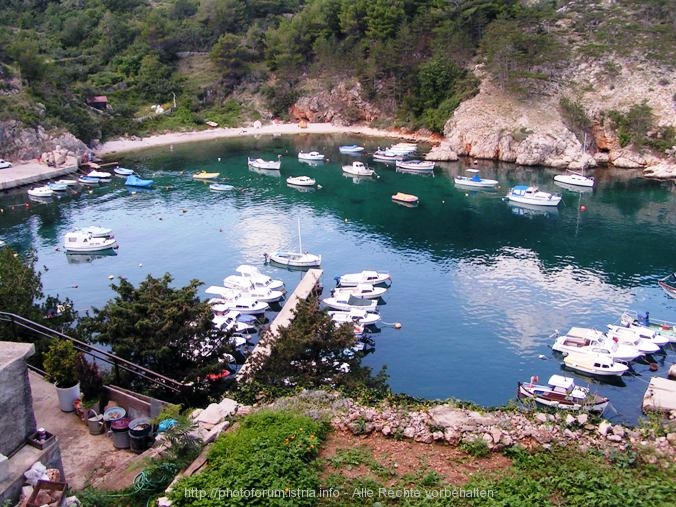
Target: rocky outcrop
point(20, 142)
point(343, 104)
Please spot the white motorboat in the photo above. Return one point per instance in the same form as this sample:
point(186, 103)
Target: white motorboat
point(594, 364)
point(587, 340)
point(562, 393)
point(57, 187)
point(231, 299)
point(228, 321)
point(43, 191)
point(259, 163)
point(357, 168)
point(662, 327)
point(259, 279)
point(68, 183)
point(247, 288)
point(637, 332)
point(473, 180)
point(101, 175)
point(98, 232)
point(88, 180)
point(372, 277)
point(311, 155)
point(387, 156)
point(123, 171)
point(403, 148)
point(668, 284)
point(347, 302)
point(352, 148)
point(358, 316)
point(574, 178)
point(629, 337)
point(84, 242)
point(532, 195)
point(301, 181)
point(362, 290)
point(415, 166)
point(297, 259)
point(220, 187)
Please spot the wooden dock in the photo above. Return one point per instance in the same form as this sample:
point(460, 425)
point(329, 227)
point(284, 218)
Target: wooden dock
point(264, 347)
point(660, 396)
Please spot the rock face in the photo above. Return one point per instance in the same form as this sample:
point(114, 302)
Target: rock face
point(25, 143)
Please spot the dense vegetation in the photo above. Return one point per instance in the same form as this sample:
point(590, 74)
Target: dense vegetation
point(214, 59)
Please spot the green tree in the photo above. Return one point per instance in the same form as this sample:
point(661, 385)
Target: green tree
point(230, 55)
point(20, 286)
point(154, 79)
point(161, 328)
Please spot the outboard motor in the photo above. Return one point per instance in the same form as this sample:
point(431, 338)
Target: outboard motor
point(644, 320)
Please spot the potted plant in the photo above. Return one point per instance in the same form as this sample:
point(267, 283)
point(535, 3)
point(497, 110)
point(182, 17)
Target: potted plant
point(61, 363)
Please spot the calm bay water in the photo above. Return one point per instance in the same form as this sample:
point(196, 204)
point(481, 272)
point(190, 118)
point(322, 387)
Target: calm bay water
point(478, 286)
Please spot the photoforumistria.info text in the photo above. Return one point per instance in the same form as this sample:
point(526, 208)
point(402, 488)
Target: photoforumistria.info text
point(224, 493)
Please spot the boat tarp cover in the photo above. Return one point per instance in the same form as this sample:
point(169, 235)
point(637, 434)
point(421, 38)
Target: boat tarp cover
point(561, 381)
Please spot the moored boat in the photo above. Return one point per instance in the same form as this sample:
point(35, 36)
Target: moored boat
point(134, 181)
point(421, 166)
point(349, 302)
point(301, 181)
point(57, 187)
point(81, 241)
point(587, 340)
point(311, 155)
point(387, 156)
point(661, 327)
point(473, 180)
point(562, 393)
point(362, 317)
point(532, 195)
point(43, 191)
point(357, 168)
point(252, 274)
point(259, 163)
point(362, 290)
point(87, 180)
point(407, 199)
point(366, 276)
point(101, 175)
point(668, 284)
point(574, 178)
point(123, 171)
point(220, 187)
point(68, 183)
point(204, 175)
point(352, 148)
point(594, 364)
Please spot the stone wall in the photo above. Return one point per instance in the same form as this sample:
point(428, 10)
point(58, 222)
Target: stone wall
point(17, 420)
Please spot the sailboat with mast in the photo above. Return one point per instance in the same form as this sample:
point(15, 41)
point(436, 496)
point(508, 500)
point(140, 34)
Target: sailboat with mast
point(297, 259)
point(577, 179)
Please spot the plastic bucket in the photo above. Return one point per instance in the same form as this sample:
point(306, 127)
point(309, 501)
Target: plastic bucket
point(140, 427)
point(138, 443)
point(120, 433)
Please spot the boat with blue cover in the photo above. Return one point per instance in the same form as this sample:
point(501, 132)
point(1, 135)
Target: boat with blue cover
point(473, 180)
point(134, 181)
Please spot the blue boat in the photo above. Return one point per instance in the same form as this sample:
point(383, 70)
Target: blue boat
point(123, 171)
point(353, 148)
point(135, 181)
point(88, 180)
point(57, 187)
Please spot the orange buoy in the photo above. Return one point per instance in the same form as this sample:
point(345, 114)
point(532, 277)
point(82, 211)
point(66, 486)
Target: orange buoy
point(583, 208)
point(653, 367)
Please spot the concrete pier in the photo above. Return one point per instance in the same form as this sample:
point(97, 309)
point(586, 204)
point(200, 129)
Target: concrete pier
point(25, 174)
point(264, 347)
point(660, 395)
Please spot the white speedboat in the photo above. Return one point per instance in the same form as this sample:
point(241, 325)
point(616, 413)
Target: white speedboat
point(260, 280)
point(629, 337)
point(229, 321)
point(57, 187)
point(372, 277)
point(357, 168)
point(311, 155)
point(587, 340)
point(301, 181)
point(88, 180)
point(123, 171)
point(387, 156)
point(84, 242)
point(247, 288)
point(220, 187)
point(347, 302)
point(68, 183)
point(362, 290)
point(574, 178)
point(473, 180)
point(358, 316)
point(352, 148)
point(403, 148)
point(259, 163)
point(532, 195)
point(562, 393)
point(231, 299)
point(101, 175)
point(637, 332)
point(415, 166)
point(594, 364)
point(43, 191)
point(661, 327)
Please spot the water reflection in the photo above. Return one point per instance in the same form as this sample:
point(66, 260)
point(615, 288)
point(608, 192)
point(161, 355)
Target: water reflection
point(532, 210)
point(85, 258)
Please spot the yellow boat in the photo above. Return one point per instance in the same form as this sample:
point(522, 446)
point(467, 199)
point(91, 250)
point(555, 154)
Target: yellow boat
point(203, 175)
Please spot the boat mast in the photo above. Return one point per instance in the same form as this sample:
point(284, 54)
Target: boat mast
point(300, 241)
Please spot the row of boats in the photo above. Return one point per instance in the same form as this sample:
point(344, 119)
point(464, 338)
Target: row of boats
point(92, 178)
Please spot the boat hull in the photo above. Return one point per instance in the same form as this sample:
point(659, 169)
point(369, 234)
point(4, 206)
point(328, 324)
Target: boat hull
point(295, 259)
point(542, 395)
point(574, 179)
point(468, 182)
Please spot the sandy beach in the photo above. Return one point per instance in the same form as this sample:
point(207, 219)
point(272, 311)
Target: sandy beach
point(130, 144)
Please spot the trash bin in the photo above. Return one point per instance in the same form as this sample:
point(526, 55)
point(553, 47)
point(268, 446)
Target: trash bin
point(139, 434)
point(120, 430)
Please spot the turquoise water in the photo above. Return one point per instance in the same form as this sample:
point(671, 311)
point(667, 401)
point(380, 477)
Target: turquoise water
point(478, 286)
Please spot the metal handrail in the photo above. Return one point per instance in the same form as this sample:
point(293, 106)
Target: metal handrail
point(118, 362)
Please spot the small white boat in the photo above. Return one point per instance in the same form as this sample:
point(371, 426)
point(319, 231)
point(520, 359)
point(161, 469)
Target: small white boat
point(87, 180)
point(662, 327)
point(358, 316)
point(403, 148)
point(231, 299)
point(311, 155)
point(259, 279)
point(347, 302)
point(473, 180)
point(562, 393)
point(123, 171)
point(638, 332)
point(587, 340)
point(101, 175)
point(405, 199)
point(247, 288)
point(43, 191)
point(68, 183)
point(83, 242)
point(629, 337)
point(297, 259)
point(352, 148)
point(387, 156)
point(532, 195)
point(668, 284)
point(363, 291)
point(301, 181)
point(594, 364)
point(416, 166)
point(357, 168)
point(366, 276)
point(204, 175)
point(229, 321)
point(259, 163)
point(57, 187)
point(220, 187)
point(574, 178)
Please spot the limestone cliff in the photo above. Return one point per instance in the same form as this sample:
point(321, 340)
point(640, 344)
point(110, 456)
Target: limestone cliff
point(20, 142)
